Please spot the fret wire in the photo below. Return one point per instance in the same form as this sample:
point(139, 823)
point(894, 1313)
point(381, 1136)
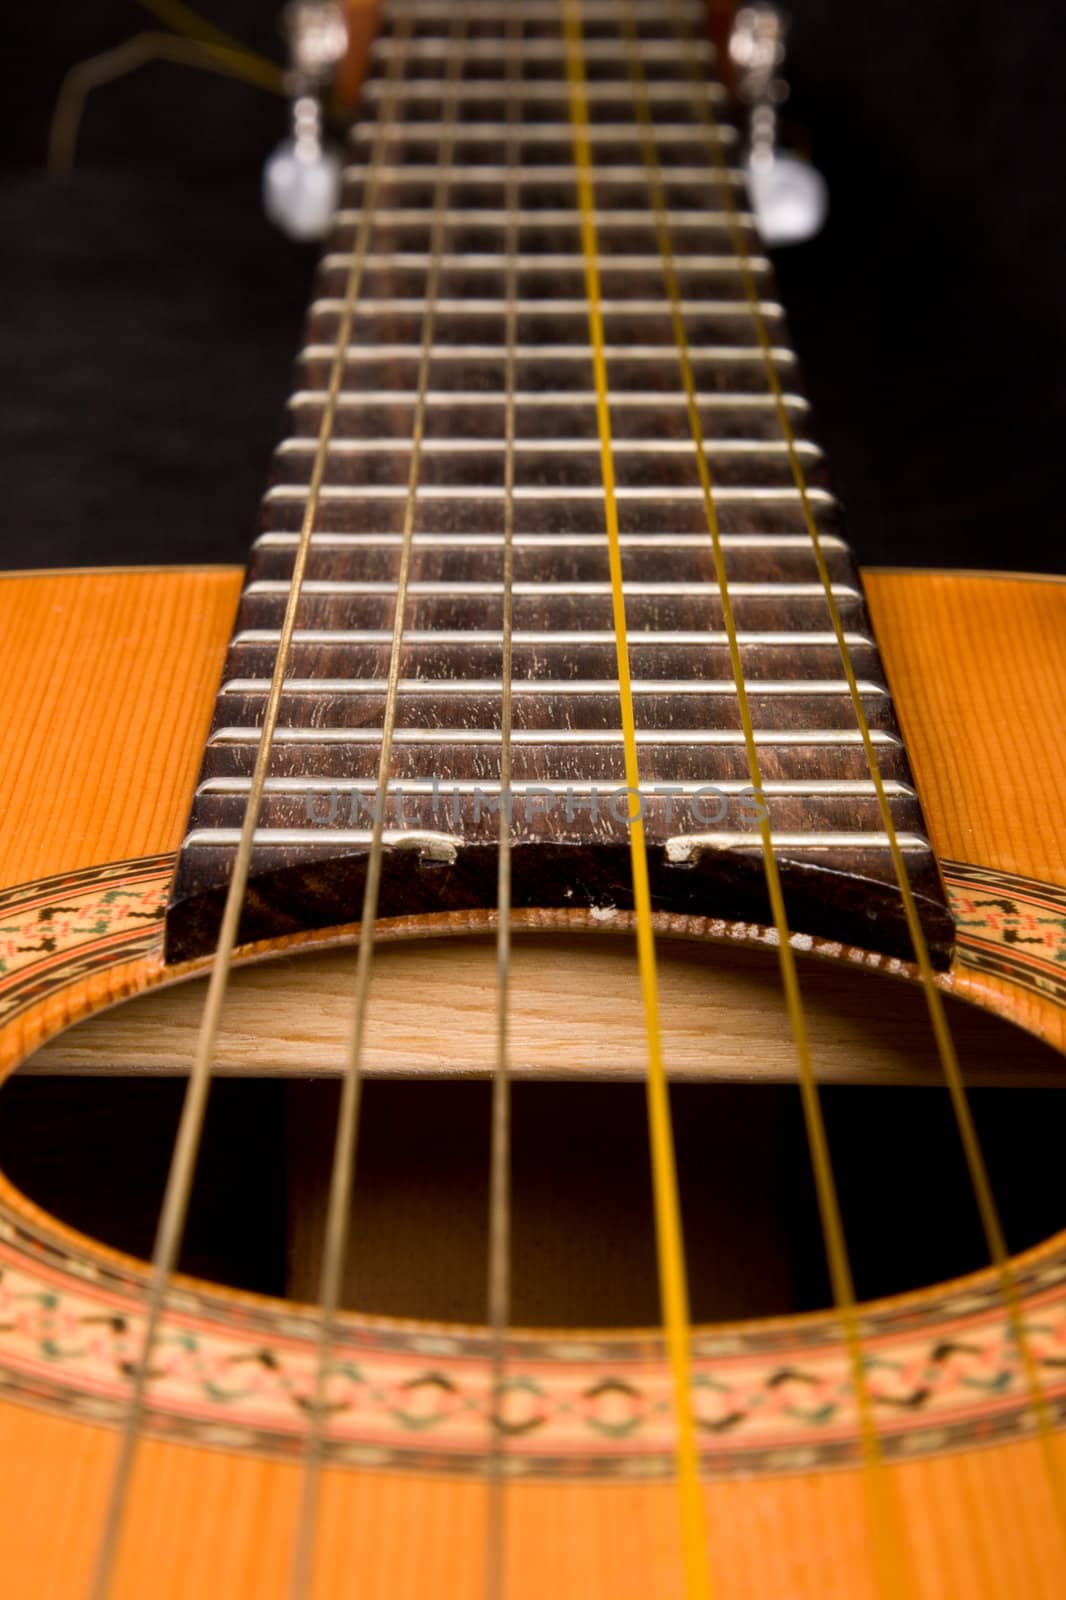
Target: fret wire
point(545, 49)
point(174, 1208)
point(241, 734)
point(535, 132)
point(534, 399)
point(534, 541)
point(481, 172)
point(539, 89)
point(657, 638)
point(531, 260)
point(297, 444)
point(342, 1173)
point(276, 587)
point(538, 492)
point(477, 305)
point(828, 787)
point(553, 686)
point(988, 1211)
point(609, 216)
point(883, 1513)
point(540, 352)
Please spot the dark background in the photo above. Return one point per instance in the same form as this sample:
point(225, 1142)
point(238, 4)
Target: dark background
point(152, 314)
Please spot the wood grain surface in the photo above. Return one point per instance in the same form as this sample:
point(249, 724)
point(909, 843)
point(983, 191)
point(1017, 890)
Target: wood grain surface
point(977, 666)
point(83, 784)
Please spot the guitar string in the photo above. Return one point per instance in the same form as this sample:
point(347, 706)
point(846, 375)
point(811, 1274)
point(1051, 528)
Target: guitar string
point(884, 1515)
point(342, 1172)
point(182, 1170)
point(980, 1181)
point(499, 1264)
point(673, 1283)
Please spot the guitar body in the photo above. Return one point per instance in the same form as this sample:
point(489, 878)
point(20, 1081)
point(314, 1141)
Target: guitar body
point(110, 683)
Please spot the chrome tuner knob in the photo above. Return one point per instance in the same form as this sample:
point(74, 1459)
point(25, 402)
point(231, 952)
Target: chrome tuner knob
point(302, 176)
point(788, 195)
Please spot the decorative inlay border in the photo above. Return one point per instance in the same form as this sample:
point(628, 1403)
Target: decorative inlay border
point(59, 929)
point(421, 1397)
point(1009, 926)
point(236, 1371)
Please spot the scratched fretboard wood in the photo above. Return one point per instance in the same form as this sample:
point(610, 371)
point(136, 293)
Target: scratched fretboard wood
point(475, 154)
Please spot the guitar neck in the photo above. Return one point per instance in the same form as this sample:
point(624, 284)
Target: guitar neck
point(542, 274)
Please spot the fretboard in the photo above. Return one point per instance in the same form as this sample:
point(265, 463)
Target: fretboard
point(466, 423)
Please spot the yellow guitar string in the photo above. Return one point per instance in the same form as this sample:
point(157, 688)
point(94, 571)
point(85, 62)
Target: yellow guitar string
point(672, 1275)
point(886, 1524)
point(127, 57)
point(991, 1224)
point(183, 19)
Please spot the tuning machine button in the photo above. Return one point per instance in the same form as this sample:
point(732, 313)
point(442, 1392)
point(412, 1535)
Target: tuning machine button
point(302, 176)
point(789, 196)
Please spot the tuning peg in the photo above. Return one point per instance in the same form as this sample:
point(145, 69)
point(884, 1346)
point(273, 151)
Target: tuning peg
point(789, 196)
point(302, 176)
point(301, 187)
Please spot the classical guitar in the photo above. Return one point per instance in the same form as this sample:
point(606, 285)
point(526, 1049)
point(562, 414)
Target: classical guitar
point(592, 968)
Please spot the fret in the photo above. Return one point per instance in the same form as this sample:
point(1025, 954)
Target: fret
point(414, 687)
point(564, 260)
point(524, 269)
point(415, 589)
point(535, 492)
point(557, 737)
point(475, 173)
point(473, 637)
point(539, 133)
point(561, 353)
point(534, 400)
point(548, 216)
point(532, 50)
point(659, 543)
point(826, 788)
point(561, 307)
point(402, 94)
point(354, 448)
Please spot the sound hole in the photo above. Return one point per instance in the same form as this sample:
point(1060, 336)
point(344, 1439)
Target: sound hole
point(94, 1152)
